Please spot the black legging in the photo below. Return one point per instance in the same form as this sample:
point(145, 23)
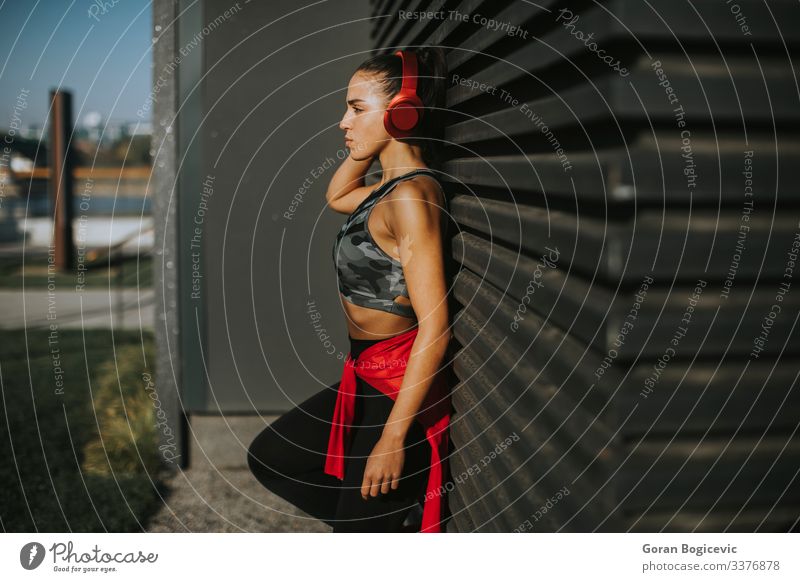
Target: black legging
point(288, 458)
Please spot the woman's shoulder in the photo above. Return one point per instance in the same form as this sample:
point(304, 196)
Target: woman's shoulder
point(423, 187)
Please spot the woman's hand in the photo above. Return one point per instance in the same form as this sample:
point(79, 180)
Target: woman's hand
point(384, 467)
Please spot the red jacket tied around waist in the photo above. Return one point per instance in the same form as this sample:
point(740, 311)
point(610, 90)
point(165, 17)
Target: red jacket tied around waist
point(383, 366)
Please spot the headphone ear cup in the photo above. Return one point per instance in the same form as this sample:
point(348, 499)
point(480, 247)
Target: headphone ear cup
point(402, 115)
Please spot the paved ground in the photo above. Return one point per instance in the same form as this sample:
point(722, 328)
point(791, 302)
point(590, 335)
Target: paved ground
point(230, 500)
point(218, 493)
point(128, 309)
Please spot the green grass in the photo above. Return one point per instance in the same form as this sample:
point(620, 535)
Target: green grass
point(126, 273)
point(58, 474)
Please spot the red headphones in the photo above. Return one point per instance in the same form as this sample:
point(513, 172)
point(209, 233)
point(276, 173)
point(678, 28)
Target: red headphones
point(405, 110)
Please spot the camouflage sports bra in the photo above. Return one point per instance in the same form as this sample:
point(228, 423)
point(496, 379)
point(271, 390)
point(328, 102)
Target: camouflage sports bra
point(368, 276)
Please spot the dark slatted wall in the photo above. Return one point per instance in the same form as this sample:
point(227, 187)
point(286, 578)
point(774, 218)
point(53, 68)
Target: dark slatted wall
point(625, 186)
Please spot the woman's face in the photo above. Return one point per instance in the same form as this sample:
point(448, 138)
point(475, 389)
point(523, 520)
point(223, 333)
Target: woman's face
point(365, 135)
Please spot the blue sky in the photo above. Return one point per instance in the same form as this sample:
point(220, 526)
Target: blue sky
point(30, 59)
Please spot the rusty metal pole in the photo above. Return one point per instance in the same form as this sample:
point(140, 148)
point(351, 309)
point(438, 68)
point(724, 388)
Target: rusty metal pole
point(60, 162)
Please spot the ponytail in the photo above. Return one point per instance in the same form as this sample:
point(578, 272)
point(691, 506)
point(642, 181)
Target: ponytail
point(432, 89)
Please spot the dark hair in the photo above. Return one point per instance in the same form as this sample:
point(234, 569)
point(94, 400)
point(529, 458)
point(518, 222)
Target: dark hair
point(431, 88)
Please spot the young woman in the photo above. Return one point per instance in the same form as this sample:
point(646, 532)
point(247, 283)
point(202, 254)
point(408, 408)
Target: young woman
point(363, 454)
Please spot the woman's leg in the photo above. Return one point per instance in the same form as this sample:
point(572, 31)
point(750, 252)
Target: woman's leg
point(386, 512)
point(288, 456)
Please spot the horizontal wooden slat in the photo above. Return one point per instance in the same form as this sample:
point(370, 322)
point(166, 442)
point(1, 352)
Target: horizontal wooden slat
point(625, 28)
point(597, 315)
point(387, 20)
point(778, 519)
point(520, 14)
point(723, 396)
point(561, 358)
point(690, 398)
point(723, 472)
point(517, 486)
point(688, 244)
point(729, 92)
point(514, 393)
point(543, 458)
point(452, 32)
point(644, 175)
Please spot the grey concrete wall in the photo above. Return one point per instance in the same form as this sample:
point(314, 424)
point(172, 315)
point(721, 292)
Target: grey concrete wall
point(273, 93)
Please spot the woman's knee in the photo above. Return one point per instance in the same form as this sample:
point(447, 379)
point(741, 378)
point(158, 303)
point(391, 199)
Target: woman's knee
point(261, 455)
point(294, 443)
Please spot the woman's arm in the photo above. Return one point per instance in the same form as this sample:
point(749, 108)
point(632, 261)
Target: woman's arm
point(346, 189)
point(416, 224)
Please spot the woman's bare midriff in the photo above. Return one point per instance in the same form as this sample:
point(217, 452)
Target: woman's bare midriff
point(373, 324)
point(366, 323)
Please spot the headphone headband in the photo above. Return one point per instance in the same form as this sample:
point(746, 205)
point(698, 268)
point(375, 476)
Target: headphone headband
point(409, 60)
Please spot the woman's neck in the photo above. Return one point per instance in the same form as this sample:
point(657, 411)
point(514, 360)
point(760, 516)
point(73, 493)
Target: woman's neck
point(398, 158)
